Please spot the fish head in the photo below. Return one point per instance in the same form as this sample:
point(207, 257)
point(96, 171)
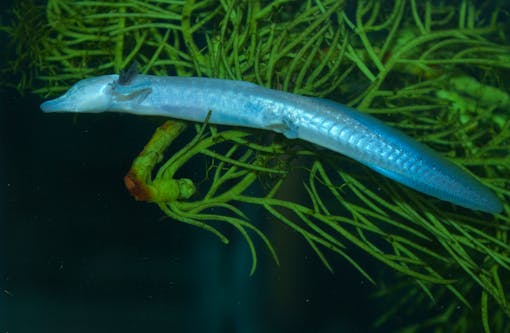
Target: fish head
point(90, 95)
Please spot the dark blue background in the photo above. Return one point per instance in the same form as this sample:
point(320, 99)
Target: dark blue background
point(79, 254)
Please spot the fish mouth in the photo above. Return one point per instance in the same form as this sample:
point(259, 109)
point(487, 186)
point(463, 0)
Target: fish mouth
point(60, 104)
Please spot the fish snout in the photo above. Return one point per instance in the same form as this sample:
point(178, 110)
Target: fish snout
point(60, 104)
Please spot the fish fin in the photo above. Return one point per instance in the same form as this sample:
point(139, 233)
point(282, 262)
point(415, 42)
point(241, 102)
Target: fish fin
point(127, 75)
point(136, 93)
point(285, 126)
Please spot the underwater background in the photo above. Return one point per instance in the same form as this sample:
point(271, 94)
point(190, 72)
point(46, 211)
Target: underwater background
point(79, 254)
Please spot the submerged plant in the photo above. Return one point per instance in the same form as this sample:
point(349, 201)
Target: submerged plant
point(436, 72)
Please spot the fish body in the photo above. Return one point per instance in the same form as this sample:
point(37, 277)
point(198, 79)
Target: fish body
point(322, 122)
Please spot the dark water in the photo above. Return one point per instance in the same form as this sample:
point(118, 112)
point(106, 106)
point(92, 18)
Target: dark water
point(78, 254)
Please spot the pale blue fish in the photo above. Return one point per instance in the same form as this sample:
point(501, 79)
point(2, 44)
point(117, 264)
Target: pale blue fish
point(323, 122)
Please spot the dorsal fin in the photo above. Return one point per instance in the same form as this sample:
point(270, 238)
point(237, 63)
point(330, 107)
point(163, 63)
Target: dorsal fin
point(126, 76)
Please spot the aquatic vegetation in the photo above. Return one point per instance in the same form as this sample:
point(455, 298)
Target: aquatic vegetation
point(436, 72)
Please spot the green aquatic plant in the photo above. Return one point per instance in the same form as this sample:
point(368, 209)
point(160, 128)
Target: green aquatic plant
point(436, 72)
